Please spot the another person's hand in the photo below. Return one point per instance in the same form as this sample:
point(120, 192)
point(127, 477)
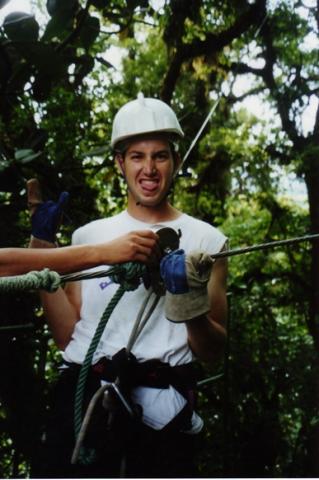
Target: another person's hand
point(46, 216)
point(140, 246)
point(186, 278)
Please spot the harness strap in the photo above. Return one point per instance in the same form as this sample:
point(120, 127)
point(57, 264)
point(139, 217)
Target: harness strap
point(151, 373)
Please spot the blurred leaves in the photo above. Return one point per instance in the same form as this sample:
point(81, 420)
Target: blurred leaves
point(60, 7)
point(26, 155)
point(21, 27)
point(89, 31)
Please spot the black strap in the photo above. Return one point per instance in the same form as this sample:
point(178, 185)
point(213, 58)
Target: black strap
point(152, 373)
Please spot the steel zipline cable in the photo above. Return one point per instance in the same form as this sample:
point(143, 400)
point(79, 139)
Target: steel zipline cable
point(224, 253)
point(266, 246)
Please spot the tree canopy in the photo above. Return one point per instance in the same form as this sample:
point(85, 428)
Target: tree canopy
point(64, 72)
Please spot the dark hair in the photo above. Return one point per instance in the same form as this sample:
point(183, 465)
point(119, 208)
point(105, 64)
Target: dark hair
point(122, 146)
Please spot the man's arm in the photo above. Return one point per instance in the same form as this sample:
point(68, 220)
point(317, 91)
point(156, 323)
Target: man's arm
point(61, 308)
point(62, 311)
point(207, 334)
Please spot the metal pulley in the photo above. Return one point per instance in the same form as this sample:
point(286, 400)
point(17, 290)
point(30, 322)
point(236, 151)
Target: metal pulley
point(168, 242)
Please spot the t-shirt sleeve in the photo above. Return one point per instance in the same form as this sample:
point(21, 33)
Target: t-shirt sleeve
point(77, 237)
point(213, 241)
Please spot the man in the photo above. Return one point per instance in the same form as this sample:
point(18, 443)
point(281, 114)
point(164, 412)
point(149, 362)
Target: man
point(158, 440)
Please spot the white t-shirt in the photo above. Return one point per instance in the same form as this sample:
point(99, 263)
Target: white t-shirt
point(159, 339)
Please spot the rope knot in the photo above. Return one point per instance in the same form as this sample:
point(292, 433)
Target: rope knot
point(43, 280)
point(48, 280)
point(128, 275)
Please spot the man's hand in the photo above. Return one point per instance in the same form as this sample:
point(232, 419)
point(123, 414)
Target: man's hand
point(46, 217)
point(186, 277)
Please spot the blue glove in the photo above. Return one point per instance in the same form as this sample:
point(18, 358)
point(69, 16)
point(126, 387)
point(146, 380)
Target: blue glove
point(186, 278)
point(173, 272)
point(47, 217)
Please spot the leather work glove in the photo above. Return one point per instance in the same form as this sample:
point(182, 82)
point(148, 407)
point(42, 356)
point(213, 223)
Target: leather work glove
point(186, 278)
point(46, 216)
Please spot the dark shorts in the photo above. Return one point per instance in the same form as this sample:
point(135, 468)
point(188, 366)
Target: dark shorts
point(129, 449)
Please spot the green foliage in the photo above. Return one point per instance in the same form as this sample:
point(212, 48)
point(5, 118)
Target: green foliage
point(256, 413)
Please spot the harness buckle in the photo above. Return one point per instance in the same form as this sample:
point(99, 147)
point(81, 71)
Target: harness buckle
point(112, 396)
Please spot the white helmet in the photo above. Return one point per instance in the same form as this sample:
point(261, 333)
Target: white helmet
point(144, 115)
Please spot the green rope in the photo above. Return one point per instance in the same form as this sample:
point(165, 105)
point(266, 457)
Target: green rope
point(88, 358)
point(44, 280)
point(50, 280)
point(129, 278)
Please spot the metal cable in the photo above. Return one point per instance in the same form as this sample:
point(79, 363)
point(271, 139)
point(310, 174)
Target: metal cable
point(265, 246)
point(226, 253)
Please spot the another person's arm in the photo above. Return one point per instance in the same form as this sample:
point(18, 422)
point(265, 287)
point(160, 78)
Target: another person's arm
point(132, 246)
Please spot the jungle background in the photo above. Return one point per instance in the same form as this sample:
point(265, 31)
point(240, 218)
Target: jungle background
point(59, 90)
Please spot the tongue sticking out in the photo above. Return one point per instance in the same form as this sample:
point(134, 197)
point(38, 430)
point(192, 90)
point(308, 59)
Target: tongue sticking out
point(149, 185)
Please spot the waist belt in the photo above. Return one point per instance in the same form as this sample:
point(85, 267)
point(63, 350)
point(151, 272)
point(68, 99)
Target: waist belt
point(152, 373)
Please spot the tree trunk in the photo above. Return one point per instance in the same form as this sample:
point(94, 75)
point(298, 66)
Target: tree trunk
point(312, 183)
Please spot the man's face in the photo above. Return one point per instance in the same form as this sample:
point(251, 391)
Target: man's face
point(148, 166)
